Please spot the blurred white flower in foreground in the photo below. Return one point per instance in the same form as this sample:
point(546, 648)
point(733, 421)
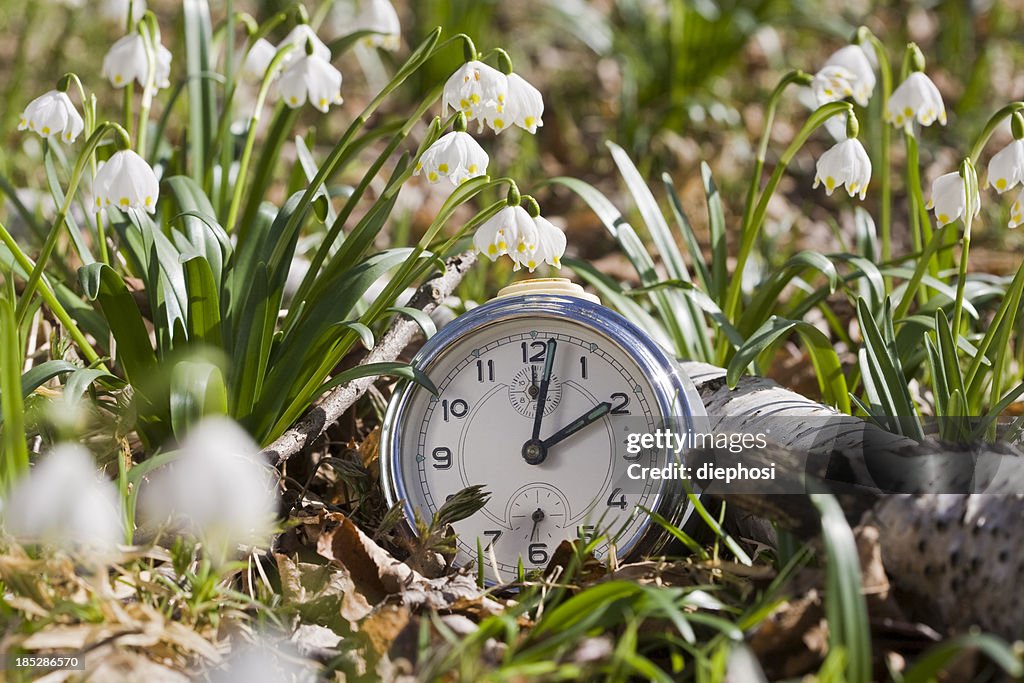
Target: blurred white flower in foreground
point(528, 241)
point(310, 78)
point(117, 10)
point(301, 36)
point(474, 88)
point(853, 59)
point(127, 61)
point(52, 115)
point(456, 156)
point(265, 661)
point(846, 163)
point(126, 181)
point(1017, 210)
point(258, 58)
point(949, 198)
point(1006, 169)
point(219, 490)
point(62, 501)
point(379, 16)
point(832, 84)
point(523, 107)
point(916, 98)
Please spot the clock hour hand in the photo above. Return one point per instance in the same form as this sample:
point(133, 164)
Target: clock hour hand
point(584, 420)
point(537, 517)
point(545, 383)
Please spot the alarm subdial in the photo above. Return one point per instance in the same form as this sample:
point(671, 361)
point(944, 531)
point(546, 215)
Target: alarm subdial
point(538, 513)
point(524, 389)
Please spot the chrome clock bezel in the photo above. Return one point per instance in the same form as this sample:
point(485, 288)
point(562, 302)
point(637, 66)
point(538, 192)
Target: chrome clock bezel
point(678, 401)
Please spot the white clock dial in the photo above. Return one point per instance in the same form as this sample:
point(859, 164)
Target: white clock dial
point(479, 428)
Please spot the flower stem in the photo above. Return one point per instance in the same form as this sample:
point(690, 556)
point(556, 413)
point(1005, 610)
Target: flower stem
point(921, 226)
point(51, 239)
point(250, 138)
point(970, 188)
point(885, 72)
point(51, 301)
point(149, 40)
point(752, 228)
point(766, 134)
point(990, 128)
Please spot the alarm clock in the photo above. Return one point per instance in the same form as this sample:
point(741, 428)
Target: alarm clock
point(540, 392)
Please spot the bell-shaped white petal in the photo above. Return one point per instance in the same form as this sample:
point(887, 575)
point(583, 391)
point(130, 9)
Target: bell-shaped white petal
point(832, 84)
point(918, 99)
point(523, 237)
point(310, 78)
point(456, 156)
point(258, 58)
point(523, 107)
point(126, 181)
point(853, 59)
point(127, 61)
point(550, 246)
point(1017, 210)
point(949, 198)
point(218, 490)
point(511, 231)
point(490, 238)
point(379, 16)
point(846, 163)
point(300, 37)
point(64, 502)
point(474, 87)
point(1006, 168)
point(52, 115)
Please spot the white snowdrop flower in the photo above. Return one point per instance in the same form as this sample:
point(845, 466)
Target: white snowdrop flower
point(52, 115)
point(310, 78)
point(916, 98)
point(1006, 169)
point(853, 59)
point(266, 660)
point(300, 36)
point(258, 59)
point(219, 490)
point(126, 181)
point(846, 163)
point(456, 156)
point(511, 231)
point(64, 502)
point(379, 16)
point(1017, 210)
point(117, 10)
point(832, 84)
point(127, 61)
point(550, 247)
point(474, 87)
point(949, 198)
point(523, 107)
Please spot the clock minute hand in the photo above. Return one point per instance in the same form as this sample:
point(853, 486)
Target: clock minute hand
point(588, 418)
point(545, 382)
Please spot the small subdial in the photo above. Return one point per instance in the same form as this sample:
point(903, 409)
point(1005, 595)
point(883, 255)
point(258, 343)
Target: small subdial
point(525, 387)
point(537, 513)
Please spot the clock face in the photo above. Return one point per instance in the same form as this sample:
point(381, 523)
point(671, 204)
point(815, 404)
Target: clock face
point(571, 481)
